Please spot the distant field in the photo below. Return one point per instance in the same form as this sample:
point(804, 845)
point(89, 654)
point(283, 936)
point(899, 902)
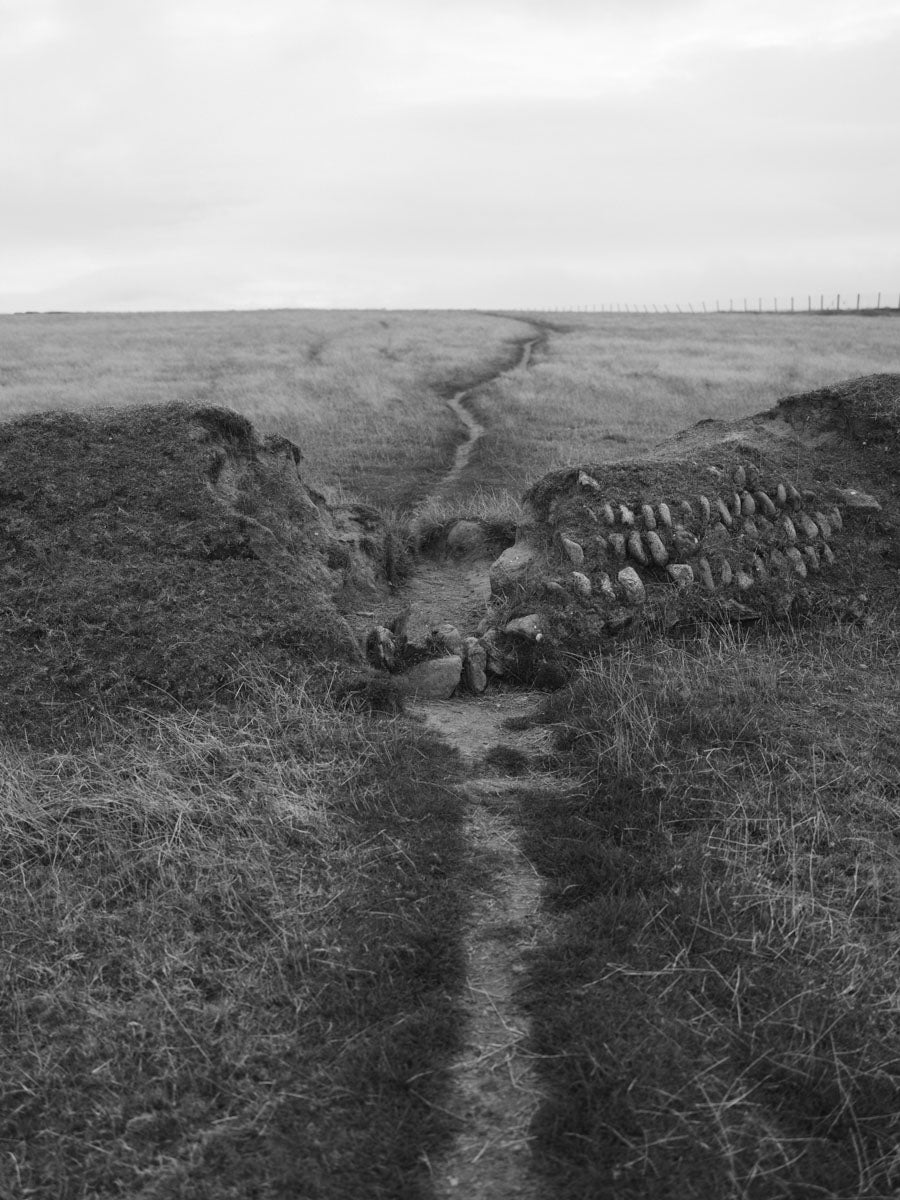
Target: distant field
point(362, 393)
point(603, 387)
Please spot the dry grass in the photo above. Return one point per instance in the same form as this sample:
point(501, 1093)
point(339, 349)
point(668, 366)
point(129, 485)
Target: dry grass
point(230, 947)
point(611, 387)
point(363, 394)
point(718, 1008)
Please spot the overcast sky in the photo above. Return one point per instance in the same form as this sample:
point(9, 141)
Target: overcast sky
point(169, 154)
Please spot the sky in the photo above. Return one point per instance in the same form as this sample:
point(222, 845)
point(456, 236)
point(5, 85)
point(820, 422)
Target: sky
point(222, 154)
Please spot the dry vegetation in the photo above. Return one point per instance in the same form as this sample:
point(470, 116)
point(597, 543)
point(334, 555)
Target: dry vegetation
point(231, 936)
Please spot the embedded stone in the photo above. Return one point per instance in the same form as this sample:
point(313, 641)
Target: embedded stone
point(447, 638)
point(765, 503)
point(787, 526)
point(706, 575)
point(705, 510)
point(860, 501)
point(632, 586)
point(781, 495)
point(686, 545)
point(581, 584)
point(574, 552)
point(617, 544)
point(465, 537)
point(600, 544)
point(794, 496)
point(812, 559)
point(824, 525)
point(511, 566)
point(687, 513)
point(743, 580)
point(499, 661)
point(436, 679)
point(618, 619)
point(636, 548)
point(381, 648)
point(828, 554)
point(681, 574)
point(735, 505)
point(658, 552)
point(808, 525)
point(837, 521)
point(475, 665)
point(606, 588)
point(749, 527)
point(649, 518)
point(748, 504)
point(740, 478)
point(626, 516)
point(726, 575)
point(752, 475)
point(665, 515)
point(607, 513)
point(724, 514)
point(778, 562)
point(588, 481)
point(795, 558)
point(528, 627)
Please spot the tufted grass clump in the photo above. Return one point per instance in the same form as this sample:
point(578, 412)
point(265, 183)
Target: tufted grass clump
point(715, 1014)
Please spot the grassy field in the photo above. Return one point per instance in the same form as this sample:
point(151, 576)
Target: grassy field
point(232, 937)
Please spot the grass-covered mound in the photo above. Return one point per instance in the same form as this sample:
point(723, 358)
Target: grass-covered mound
point(147, 554)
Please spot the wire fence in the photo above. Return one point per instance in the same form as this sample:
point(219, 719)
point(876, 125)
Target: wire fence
point(823, 302)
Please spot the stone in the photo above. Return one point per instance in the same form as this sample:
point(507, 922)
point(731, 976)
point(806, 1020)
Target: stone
point(687, 513)
point(436, 679)
point(739, 476)
point(828, 554)
point(765, 503)
point(581, 584)
point(779, 563)
point(705, 573)
point(574, 551)
point(626, 516)
point(658, 552)
point(636, 548)
point(617, 544)
point(794, 496)
point(608, 515)
point(601, 546)
point(724, 514)
point(749, 529)
point(726, 574)
point(681, 574)
point(788, 529)
point(447, 638)
point(381, 648)
point(812, 559)
point(588, 481)
point(649, 518)
point(511, 566)
point(759, 567)
point(632, 586)
point(748, 504)
point(499, 662)
point(808, 525)
point(618, 619)
point(837, 521)
point(705, 510)
point(743, 580)
point(606, 588)
point(795, 558)
point(528, 627)
point(475, 665)
point(824, 525)
point(859, 501)
point(735, 505)
point(665, 515)
point(753, 475)
point(465, 537)
point(781, 495)
point(553, 588)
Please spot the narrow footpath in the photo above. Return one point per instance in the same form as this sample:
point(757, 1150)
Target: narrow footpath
point(495, 1092)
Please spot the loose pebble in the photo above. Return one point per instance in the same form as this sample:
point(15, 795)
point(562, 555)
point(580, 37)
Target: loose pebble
point(658, 552)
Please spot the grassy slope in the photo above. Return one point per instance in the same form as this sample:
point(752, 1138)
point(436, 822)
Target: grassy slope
point(605, 387)
point(362, 393)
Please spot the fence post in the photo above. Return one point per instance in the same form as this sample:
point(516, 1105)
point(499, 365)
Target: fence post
point(792, 303)
point(775, 303)
point(857, 301)
point(838, 304)
point(731, 306)
point(703, 302)
point(745, 304)
point(878, 305)
point(809, 303)
point(822, 302)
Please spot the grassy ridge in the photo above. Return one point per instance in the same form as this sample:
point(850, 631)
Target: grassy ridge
point(604, 387)
point(363, 394)
point(716, 1013)
point(230, 950)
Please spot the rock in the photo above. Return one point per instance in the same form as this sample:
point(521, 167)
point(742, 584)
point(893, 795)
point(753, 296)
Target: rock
point(647, 514)
point(681, 574)
point(765, 503)
point(636, 548)
point(381, 649)
point(859, 501)
point(617, 544)
point(525, 627)
point(812, 559)
point(779, 563)
point(465, 537)
point(794, 496)
point(743, 580)
point(808, 525)
point(705, 510)
point(787, 526)
point(447, 638)
point(632, 585)
point(735, 505)
point(606, 588)
point(824, 525)
point(626, 515)
point(588, 481)
point(739, 477)
point(749, 529)
point(705, 573)
point(665, 515)
point(795, 558)
point(724, 514)
point(555, 590)
point(436, 679)
point(618, 619)
point(582, 584)
point(601, 546)
point(511, 566)
point(658, 552)
point(726, 574)
point(607, 513)
point(828, 554)
point(687, 513)
point(748, 504)
point(573, 550)
point(753, 475)
point(474, 665)
point(781, 495)
point(837, 521)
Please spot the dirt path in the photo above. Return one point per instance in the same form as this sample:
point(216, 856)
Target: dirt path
point(494, 1092)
